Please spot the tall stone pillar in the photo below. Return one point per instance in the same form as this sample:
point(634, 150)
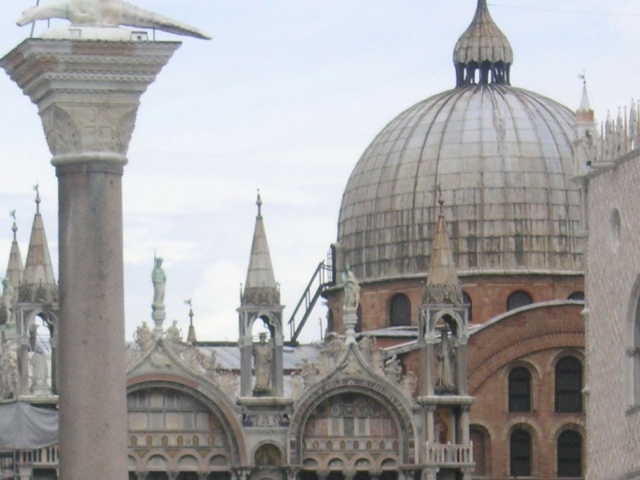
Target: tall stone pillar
point(88, 93)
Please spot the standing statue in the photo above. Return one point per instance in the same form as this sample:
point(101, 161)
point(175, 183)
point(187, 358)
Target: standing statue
point(351, 290)
point(106, 13)
point(6, 301)
point(39, 372)
point(446, 360)
point(173, 333)
point(143, 337)
point(393, 369)
point(159, 280)
point(263, 357)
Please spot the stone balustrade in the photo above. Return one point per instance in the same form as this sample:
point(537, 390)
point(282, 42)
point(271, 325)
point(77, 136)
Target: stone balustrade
point(448, 454)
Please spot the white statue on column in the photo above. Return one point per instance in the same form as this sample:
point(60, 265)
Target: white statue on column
point(106, 14)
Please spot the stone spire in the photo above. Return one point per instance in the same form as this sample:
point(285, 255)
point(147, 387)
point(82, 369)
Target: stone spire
point(443, 284)
point(260, 287)
point(38, 281)
point(483, 53)
point(585, 113)
point(15, 268)
point(191, 334)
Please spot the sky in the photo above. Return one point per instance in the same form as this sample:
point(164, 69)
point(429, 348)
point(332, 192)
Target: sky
point(285, 98)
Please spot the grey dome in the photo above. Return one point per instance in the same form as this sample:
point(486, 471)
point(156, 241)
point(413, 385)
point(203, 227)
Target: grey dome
point(503, 159)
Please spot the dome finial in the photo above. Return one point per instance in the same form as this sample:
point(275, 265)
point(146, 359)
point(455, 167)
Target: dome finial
point(483, 54)
point(440, 199)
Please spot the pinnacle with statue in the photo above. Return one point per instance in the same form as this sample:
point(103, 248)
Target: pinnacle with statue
point(106, 14)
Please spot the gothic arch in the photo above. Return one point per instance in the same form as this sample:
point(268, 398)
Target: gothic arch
point(216, 404)
point(398, 408)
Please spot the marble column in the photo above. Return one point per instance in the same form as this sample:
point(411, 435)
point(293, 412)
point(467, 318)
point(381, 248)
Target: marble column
point(88, 93)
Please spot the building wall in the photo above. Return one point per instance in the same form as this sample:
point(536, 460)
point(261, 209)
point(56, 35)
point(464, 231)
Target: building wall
point(613, 268)
point(488, 294)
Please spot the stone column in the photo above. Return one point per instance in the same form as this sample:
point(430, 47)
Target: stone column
point(88, 93)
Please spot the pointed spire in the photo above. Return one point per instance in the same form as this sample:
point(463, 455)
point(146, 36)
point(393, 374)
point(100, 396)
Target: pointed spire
point(261, 287)
point(38, 281)
point(15, 268)
point(483, 48)
point(443, 284)
point(191, 334)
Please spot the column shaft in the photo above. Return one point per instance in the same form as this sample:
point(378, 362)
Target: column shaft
point(91, 342)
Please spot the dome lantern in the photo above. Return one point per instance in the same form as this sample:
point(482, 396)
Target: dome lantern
point(483, 54)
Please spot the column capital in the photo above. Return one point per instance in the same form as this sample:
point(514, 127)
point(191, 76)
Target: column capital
point(87, 92)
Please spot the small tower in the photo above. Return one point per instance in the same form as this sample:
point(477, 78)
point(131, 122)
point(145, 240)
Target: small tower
point(37, 303)
point(260, 300)
point(443, 336)
point(191, 334)
point(9, 385)
point(586, 133)
point(11, 282)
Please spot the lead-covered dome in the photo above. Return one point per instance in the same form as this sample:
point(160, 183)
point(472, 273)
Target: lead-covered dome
point(503, 159)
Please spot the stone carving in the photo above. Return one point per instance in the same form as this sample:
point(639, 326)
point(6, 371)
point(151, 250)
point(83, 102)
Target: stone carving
point(90, 128)
point(309, 372)
point(174, 334)
point(296, 383)
point(351, 291)
point(39, 372)
point(393, 369)
point(143, 336)
point(446, 361)
point(228, 383)
point(159, 359)
point(6, 302)
point(8, 374)
point(159, 280)
point(106, 13)
point(408, 384)
point(211, 365)
point(332, 349)
point(263, 356)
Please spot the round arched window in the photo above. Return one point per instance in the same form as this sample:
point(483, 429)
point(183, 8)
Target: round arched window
point(518, 299)
point(400, 311)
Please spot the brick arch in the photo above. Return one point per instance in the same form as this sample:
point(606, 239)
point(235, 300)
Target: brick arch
point(212, 400)
point(397, 407)
point(523, 333)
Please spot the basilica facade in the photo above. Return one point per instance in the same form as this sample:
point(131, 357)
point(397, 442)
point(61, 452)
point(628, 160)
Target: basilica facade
point(455, 340)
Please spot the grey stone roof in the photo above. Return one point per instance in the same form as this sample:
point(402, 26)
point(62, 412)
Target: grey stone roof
point(503, 158)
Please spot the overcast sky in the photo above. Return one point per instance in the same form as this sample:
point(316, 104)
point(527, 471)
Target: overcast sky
point(285, 98)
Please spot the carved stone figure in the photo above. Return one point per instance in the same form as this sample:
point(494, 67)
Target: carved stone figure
point(446, 361)
point(9, 379)
point(332, 349)
point(393, 369)
point(309, 372)
point(106, 13)
point(159, 280)
point(408, 384)
point(263, 357)
point(351, 291)
point(143, 336)
point(7, 301)
point(211, 364)
point(174, 334)
point(39, 372)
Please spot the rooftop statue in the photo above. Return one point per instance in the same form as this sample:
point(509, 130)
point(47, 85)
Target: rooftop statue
point(106, 13)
